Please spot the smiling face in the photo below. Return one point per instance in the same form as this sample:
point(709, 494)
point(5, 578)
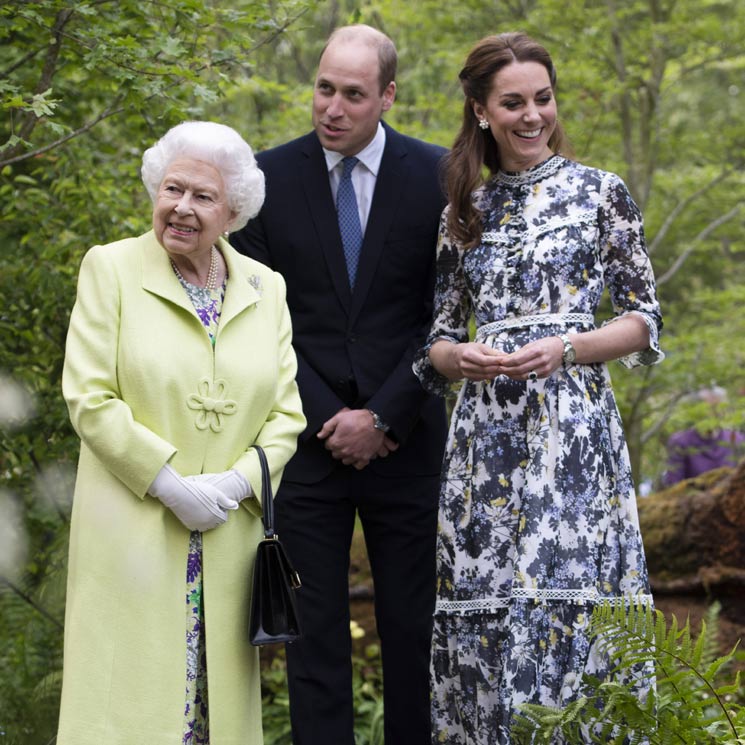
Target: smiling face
point(190, 210)
point(521, 111)
point(347, 102)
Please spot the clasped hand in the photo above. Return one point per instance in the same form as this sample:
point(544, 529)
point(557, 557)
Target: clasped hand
point(477, 361)
point(352, 438)
point(200, 502)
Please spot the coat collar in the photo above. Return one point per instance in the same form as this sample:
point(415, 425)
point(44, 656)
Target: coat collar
point(158, 277)
point(244, 289)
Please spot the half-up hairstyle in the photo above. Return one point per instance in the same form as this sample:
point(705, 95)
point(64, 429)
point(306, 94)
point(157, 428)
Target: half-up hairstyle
point(474, 147)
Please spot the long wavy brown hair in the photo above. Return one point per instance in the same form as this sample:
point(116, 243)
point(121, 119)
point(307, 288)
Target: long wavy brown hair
point(474, 147)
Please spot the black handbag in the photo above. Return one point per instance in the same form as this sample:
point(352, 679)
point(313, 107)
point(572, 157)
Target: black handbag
point(273, 617)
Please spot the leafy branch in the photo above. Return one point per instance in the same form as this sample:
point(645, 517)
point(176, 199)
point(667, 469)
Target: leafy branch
point(697, 241)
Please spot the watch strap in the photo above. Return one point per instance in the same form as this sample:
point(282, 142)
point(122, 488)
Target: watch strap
point(570, 353)
point(378, 422)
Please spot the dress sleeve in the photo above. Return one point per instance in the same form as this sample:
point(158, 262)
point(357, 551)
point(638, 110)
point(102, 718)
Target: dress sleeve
point(627, 268)
point(451, 312)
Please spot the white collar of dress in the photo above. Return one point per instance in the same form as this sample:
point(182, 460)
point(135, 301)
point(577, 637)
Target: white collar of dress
point(532, 175)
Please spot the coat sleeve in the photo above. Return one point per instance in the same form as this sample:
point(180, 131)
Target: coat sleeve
point(284, 422)
point(400, 397)
point(398, 401)
point(320, 401)
point(102, 420)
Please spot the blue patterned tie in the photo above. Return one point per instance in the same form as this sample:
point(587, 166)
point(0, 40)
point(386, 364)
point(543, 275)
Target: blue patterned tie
point(349, 218)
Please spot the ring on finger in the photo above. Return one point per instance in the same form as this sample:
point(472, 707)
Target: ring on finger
point(532, 375)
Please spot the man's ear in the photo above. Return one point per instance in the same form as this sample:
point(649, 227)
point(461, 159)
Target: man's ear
point(389, 95)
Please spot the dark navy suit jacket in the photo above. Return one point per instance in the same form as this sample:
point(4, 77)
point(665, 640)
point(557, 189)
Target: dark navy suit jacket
point(356, 348)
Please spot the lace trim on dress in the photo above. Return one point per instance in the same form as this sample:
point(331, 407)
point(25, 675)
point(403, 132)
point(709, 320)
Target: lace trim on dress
point(585, 217)
point(579, 596)
point(494, 237)
point(573, 220)
point(539, 319)
point(532, 175)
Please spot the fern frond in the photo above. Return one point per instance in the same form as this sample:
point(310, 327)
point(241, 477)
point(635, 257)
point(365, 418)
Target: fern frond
point(688, 706)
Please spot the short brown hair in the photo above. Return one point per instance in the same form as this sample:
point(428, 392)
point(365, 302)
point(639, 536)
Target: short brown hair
point(387, 54)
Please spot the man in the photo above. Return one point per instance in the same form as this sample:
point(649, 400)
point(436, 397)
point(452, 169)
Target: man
point(374, 441)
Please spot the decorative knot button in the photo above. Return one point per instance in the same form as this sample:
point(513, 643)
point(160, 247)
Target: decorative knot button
point(211, 405)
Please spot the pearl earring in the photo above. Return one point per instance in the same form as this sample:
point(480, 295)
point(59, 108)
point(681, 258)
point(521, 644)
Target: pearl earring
point(483, 124)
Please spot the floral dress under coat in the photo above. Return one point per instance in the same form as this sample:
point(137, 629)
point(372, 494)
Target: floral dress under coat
point(207, 304)
point(537, 519)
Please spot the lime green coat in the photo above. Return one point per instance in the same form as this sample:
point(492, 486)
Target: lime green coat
point(144, 386)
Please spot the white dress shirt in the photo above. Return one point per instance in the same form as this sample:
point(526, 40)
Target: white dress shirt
point(363, 176)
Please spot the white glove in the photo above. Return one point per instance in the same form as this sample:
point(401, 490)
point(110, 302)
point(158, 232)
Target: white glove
point(199, 506)
point(231, 483)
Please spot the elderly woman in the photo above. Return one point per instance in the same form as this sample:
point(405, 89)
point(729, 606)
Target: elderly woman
point(179, 360)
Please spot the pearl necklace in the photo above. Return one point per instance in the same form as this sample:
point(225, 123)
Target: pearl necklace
point(211, 283)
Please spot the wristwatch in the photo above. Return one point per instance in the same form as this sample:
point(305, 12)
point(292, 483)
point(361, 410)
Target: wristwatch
point(570, 353)
point(378, 423)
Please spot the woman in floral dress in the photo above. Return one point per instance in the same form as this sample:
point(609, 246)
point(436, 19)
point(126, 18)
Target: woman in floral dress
point(538, 520)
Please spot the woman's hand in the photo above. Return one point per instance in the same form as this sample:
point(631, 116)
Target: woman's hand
point(476, 361)
point(199, 506)
point(232, 484)
point(622, 337)
point(537, 359)
point(470, 360)
point(541, 357)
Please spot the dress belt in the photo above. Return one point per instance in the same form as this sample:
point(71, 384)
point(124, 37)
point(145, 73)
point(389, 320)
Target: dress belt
point(540, 319)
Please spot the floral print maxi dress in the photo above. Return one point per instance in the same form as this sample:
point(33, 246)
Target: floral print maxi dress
point(208, 305)
point(537, 519)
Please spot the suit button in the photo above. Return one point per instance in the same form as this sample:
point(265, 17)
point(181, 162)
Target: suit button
point(340, 382)
point(351, 338)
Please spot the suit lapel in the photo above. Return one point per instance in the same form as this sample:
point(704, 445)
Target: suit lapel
point(389, 185)
point(321, 206)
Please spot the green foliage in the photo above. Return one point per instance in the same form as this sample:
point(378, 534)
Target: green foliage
point(367, 689)
point(30, 654)
point(692, 701)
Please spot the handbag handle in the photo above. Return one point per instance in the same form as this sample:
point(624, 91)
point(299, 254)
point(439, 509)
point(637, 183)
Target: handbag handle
point(267, 502)
point(267, 512)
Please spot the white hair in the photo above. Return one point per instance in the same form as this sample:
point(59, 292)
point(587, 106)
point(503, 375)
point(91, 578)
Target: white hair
point(220, 146)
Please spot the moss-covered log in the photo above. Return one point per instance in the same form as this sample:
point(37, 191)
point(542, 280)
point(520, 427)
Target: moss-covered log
point(694, 536)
